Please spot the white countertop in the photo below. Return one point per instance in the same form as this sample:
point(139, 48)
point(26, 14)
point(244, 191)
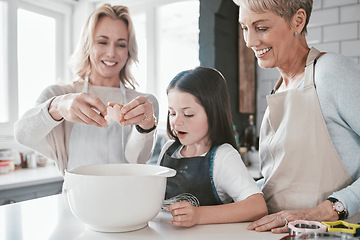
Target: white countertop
point(40, 175)
point(51, 218)
point(30, 176)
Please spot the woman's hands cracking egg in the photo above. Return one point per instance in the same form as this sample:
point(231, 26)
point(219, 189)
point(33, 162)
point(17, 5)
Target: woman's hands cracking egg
point(113, 112)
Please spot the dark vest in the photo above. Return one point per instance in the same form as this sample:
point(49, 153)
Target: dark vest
point(193, 175)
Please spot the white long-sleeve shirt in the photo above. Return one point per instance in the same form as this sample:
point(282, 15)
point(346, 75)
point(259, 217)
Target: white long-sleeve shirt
point(37, 130)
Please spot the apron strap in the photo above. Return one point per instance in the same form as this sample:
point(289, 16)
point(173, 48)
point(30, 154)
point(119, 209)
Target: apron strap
point(313, 55)
point(278, 84)
point(86, 85)
point(122, 88)
point(310, 65)
point(216, 195)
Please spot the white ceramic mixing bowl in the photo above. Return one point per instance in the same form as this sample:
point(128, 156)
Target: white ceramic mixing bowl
point(116, 197)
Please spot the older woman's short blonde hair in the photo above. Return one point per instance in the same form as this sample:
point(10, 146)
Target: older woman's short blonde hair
point(80, 61)
point(283, 8)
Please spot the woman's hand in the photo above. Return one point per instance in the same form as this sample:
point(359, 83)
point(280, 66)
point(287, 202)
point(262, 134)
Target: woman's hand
point(277, 222)
point(140, 112)
point(184, 214)
point(113, 112)
point(79, 107)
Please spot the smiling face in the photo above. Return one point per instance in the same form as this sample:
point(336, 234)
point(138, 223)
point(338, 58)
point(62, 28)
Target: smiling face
point(188, 119)
point(109, 51)
point(269, 36)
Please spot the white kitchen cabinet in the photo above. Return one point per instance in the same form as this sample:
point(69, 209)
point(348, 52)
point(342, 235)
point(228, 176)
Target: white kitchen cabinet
point(26, 184)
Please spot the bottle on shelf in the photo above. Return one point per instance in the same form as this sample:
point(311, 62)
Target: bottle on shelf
point(240, 147)
point(250, 136)
point(244, 155)
point(237, 136)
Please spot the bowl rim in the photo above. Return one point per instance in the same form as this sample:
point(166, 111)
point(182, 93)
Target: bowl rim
point(162, 172)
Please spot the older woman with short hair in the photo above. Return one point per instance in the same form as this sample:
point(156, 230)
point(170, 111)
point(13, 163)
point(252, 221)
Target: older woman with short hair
point(310, 133)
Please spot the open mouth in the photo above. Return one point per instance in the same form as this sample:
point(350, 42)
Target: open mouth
point(110, 64)
point(180, 133)
point(260, 53)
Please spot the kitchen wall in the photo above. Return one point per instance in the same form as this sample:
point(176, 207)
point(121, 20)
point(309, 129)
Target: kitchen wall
point(334, 27)
point(218, 41)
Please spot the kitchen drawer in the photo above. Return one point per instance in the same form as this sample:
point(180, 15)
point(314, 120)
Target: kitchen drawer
point(30, 192)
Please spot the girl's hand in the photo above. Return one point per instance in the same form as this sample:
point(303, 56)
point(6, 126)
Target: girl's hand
point(79, 107)
point(184, 214)
point(140, 112)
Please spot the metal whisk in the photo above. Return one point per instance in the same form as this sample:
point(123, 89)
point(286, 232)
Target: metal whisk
point(182, 197)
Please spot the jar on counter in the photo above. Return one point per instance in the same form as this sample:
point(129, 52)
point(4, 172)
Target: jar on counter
point(6, 156)
point(32, 160)
point(4, 167)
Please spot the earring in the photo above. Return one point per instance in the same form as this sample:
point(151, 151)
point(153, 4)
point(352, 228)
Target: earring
point(296, 33)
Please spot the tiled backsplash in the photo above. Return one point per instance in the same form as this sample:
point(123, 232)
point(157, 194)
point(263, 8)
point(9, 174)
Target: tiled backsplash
point(334, 27)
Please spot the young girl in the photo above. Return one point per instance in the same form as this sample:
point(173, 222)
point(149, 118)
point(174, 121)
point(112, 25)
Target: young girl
point(202, 151)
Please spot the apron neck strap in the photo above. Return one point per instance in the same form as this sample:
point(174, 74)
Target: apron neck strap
point(310, 66)
point(312, 56)
point(309, 69)
point(122, 88)
point(123, 91)
point(86, 85)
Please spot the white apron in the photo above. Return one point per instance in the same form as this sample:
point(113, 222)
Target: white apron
point(95, 145)
point(298, 160)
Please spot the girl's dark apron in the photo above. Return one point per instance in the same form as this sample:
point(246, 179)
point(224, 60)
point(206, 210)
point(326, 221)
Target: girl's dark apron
point(193, 175)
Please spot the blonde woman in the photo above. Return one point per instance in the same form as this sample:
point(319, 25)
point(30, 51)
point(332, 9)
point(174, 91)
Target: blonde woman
point(68, 123)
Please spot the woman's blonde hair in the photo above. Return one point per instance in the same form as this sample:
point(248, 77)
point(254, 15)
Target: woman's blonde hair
point(283, 8)
point(80, 60)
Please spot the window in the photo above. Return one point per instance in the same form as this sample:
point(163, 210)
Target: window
point(178, 44)
point(34, 48)
point(36, 56)
point(30, 59)
point(140, 70)
point(168, 39)
point(4, 117)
